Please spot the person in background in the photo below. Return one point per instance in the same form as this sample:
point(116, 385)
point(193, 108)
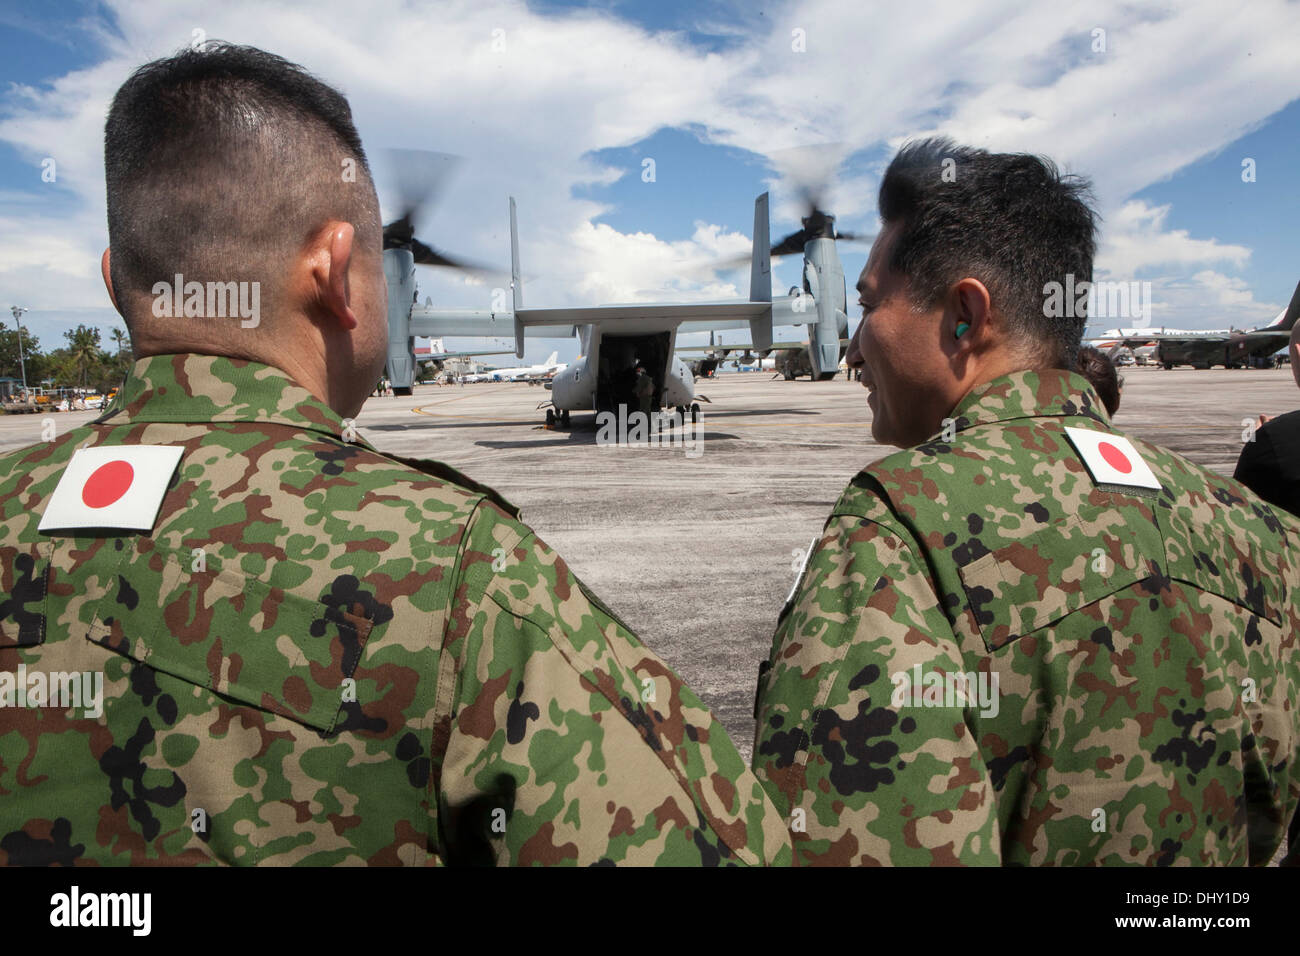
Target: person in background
point(1269, 464)
point(1096, 366)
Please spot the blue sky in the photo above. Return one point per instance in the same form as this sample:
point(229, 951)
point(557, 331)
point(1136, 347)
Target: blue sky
point(579, 94)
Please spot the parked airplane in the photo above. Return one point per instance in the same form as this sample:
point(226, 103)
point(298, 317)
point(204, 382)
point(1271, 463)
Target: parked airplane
point(523, 373)
point(1206, 348)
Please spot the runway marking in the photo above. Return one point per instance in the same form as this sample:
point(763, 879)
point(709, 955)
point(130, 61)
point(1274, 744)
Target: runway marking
point(795, 425)
point(420, 410)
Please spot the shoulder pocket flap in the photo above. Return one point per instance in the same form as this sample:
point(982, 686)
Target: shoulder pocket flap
point(1041, 578)
point(239, 637)
point(1233, 569)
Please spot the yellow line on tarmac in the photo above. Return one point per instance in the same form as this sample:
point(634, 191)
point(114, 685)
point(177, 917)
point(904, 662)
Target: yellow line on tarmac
point(729, 424)
point(420, 410)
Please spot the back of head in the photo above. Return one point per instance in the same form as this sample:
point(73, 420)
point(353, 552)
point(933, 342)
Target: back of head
point(1011, 220)
point(220, 164)
point(1096, 366)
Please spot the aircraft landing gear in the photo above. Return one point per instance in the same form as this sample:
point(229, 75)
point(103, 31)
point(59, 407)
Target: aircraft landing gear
point(401, 389)
point(564, 418)
point(550, 418)
point(695, 413)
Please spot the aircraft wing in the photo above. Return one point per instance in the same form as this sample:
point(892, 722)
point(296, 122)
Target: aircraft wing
point(1263, 335)
point(561, 323)
point(1259, 335)
point(441, 356)
point(1134, 340)
point(643, 318)
point(470, 323)
point(673, 312)
point(741, 346)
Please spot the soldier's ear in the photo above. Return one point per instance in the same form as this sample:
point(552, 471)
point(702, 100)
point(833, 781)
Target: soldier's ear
point(968, 311)
point(105, 269)
point(330, 261)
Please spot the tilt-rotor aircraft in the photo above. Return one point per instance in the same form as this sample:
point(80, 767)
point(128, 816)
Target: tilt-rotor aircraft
point(615, 339)
point(1204, 349)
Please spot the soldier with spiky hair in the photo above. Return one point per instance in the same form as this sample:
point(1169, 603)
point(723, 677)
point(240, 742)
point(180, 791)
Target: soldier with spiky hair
point(1025, 638)
point(311, 652)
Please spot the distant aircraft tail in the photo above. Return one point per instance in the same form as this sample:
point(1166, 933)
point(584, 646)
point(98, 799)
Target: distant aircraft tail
point(1286, 321)
point(760, 276)
point(516, 284)
point(552, 359)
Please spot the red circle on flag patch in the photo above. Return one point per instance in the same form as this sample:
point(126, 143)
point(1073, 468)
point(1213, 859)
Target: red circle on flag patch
point(1114, 457)
point(107, 483)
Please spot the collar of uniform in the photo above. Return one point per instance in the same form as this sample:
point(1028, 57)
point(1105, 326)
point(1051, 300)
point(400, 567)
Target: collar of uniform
point(212, 388)
point(1046, 393)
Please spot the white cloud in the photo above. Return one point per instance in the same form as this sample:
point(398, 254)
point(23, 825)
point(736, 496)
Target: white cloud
point(1175, 85)
point(1136, 239)
point(1229, 291)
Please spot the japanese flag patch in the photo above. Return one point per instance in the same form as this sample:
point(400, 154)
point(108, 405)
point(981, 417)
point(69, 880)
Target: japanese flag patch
point(111, 486)
point(1112, 459)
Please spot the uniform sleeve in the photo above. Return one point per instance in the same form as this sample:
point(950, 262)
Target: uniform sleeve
point(867, 768)
point(571, 743)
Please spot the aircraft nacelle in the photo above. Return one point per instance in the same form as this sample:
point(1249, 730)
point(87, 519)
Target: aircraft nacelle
point(574, 388)
point(825, 278)
point(399, 271)
point(679, 385)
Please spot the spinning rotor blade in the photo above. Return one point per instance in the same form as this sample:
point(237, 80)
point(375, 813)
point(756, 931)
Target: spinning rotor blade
point(426, 255)
point(790, 244)
point(415, 178)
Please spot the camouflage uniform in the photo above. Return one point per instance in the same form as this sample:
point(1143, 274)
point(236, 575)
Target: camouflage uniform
point(370, 661)
point(1144, 645)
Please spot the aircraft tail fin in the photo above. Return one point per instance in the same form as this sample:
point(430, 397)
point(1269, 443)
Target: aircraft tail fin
point(760, 263)
point(1286, 321)
point(552, 358)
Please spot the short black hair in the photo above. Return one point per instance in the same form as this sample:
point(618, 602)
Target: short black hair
point(1011, 220)
point(1097, 367)
point(221, 161)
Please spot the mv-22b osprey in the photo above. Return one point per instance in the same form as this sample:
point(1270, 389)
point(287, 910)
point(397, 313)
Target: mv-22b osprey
point(615, 339)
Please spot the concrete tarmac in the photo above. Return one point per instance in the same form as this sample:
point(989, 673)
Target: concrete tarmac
point(697, 554)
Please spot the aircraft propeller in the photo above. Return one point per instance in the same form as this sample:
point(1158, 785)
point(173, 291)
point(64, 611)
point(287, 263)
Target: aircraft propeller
point(415, 179)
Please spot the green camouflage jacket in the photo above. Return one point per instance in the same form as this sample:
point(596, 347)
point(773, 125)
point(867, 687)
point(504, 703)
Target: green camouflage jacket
point(322, 654)
point(991, 658)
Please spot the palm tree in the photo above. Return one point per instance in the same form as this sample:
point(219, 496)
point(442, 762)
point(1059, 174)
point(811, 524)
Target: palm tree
point(83, 349)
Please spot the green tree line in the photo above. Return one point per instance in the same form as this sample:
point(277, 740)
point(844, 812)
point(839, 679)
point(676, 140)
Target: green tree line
point(82, 363)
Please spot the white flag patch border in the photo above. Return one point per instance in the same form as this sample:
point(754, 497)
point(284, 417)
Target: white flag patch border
point(1087, 442)
point(136, 510)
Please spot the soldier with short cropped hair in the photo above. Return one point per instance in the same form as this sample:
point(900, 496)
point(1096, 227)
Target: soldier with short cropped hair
point(309, 651)
point(1025, 638)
